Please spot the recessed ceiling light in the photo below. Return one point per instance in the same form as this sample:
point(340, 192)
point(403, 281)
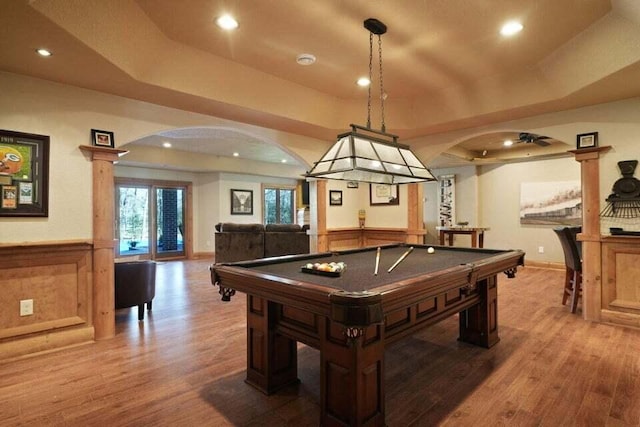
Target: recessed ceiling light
point(511, 28)
point(43, 52)
point(363, 81)
point(236, 154)
point(507, 143)
point(227, 22)
point(166, 144)
point(283, 161)
point(306, 59)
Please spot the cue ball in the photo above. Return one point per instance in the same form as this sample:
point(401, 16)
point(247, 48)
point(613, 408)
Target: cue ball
point(431, 250)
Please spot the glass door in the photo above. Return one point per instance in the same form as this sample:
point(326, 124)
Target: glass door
point(133, 221)
point(151, 220)
point(169, 222)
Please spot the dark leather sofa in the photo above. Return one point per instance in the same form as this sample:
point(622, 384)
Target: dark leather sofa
point(135, 284)
point(240, 242)
point(285, 239)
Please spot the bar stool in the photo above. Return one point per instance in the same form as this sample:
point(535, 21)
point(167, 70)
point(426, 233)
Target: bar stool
point(573, 263)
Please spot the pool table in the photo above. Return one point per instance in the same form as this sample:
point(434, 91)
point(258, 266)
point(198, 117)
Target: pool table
point(352, 317)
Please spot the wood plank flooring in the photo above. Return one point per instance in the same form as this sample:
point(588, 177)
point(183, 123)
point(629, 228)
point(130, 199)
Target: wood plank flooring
point(184, 366)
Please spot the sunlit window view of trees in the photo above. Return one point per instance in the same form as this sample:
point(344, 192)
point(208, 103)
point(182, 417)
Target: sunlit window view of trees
point(279, 206)
point(134, 216)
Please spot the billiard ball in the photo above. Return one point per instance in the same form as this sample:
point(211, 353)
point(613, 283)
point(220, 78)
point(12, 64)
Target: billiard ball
point(431, 250)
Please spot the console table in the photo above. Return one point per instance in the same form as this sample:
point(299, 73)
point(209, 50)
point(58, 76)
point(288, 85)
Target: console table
point(476, 233)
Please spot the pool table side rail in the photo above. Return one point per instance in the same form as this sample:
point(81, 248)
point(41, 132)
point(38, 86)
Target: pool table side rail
point(317, 298)
point(303, 295)
point(302, 257)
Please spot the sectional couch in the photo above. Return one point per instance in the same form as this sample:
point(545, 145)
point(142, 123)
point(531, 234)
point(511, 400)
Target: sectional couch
point(240, 242)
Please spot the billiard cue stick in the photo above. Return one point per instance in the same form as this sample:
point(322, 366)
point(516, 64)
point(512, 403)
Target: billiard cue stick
point(404, 255)
point(375, 272)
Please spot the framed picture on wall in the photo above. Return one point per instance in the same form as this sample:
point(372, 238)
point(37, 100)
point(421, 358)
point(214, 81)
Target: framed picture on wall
point(384, 194)
point(241, 202)
point(102, 138)
point(335, 197)
point(446, 200)
point(24, 174)
point(587, 140)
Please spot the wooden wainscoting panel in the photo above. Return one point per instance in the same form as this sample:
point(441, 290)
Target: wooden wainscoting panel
point(620, 284)
point(344, 238)
point(627, 274)
point(56, 276)
point(384, 236)
point(351, 238)
point(53, 289)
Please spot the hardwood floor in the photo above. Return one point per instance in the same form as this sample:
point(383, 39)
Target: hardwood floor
point(184, 366)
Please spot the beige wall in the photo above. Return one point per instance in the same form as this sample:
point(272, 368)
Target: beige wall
point(354, 199)
point(211, 198)
point(498, 187)
point(34, 106)
point(489, 196)
point(466, 202)
point(67, 115)
point(500, 206)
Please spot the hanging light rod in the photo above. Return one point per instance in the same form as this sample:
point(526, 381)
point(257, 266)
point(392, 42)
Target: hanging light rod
point(368, 155)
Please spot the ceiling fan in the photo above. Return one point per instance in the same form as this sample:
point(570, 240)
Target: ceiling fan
point(532, 138)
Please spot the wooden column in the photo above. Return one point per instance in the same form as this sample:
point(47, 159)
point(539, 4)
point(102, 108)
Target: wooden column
point(589, 159)
point(318, 197)
point(104, 320)
point(415, 222)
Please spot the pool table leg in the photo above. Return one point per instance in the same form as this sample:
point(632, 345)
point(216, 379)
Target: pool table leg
point(352, 377)
point(272, 359)
point(479, 324)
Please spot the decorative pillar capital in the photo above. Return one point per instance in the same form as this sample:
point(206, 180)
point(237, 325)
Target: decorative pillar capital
point(583, 154)
point(103, 153)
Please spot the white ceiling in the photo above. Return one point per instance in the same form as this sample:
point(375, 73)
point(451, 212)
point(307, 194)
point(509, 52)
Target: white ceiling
point(219, 142)
point(445, 65)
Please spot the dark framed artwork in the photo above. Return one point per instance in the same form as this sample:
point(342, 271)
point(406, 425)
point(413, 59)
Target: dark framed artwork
point(587, 140)
point(241, 202)
point(102, 138)
point(335, 197)
point(24, 174)
point(384, 194)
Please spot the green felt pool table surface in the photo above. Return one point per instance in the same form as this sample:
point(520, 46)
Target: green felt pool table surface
point(360, 265)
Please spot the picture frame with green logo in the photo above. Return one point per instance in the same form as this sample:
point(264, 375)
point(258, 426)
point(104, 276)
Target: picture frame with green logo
point(24, 174)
